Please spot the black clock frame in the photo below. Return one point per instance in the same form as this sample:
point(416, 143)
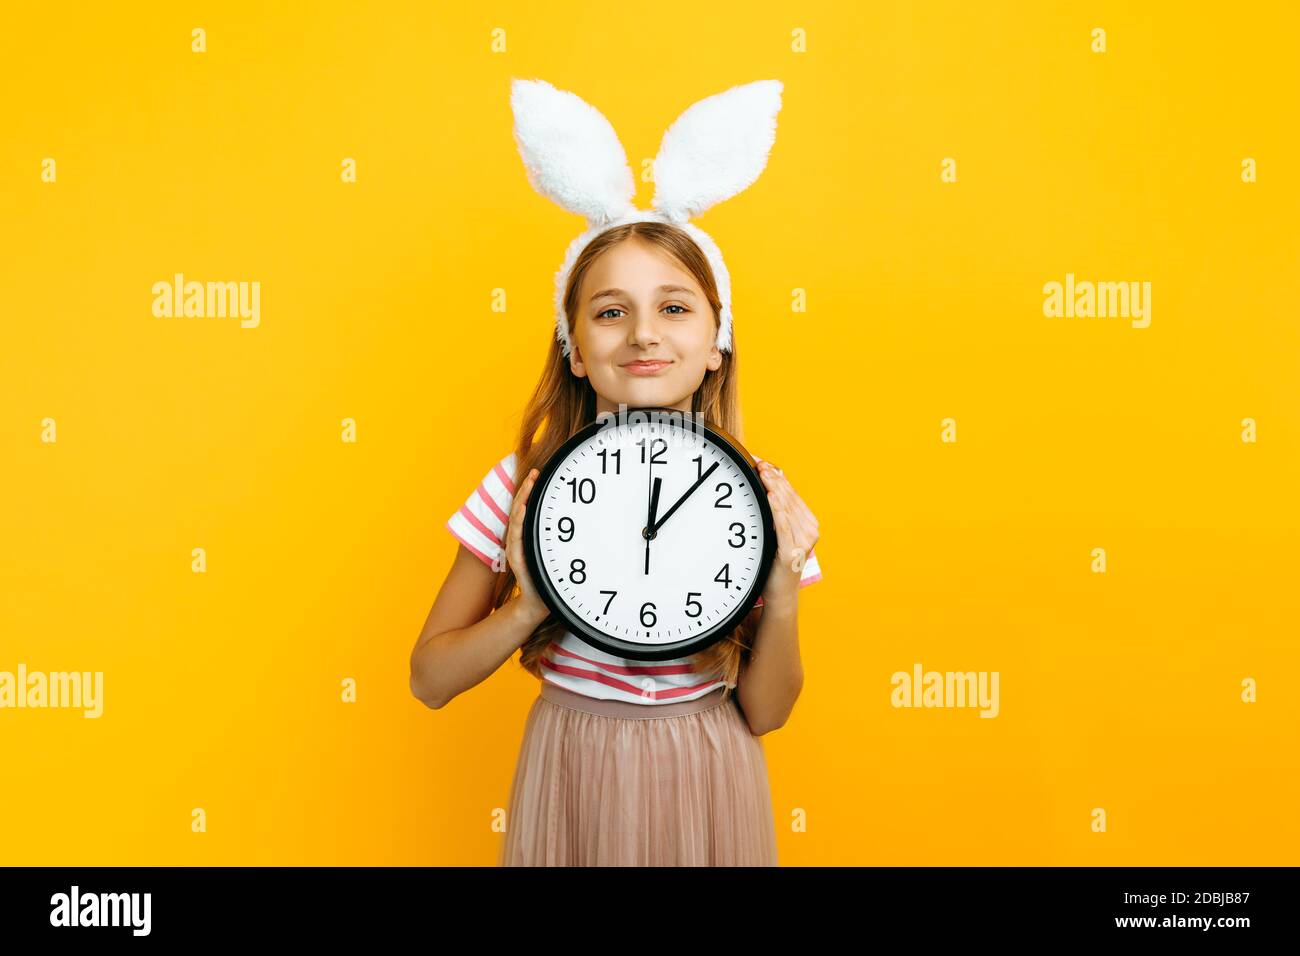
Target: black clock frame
point(670, 418)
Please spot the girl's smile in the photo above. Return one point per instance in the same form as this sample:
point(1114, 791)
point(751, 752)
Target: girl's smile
point(646, 366)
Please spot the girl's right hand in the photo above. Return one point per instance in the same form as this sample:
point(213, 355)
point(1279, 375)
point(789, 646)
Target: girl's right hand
point(515, 549)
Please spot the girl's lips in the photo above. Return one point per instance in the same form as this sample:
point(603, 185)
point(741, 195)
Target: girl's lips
point(645, 368)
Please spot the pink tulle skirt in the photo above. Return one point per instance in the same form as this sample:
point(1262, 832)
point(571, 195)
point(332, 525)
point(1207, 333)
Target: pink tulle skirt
point(612, 783)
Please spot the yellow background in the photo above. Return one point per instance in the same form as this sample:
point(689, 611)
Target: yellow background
point(1118, 690)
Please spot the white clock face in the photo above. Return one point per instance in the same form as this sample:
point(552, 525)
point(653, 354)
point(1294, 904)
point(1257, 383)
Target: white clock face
point(705, 555)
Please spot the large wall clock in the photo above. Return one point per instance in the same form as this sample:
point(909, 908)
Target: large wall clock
point(649, 534)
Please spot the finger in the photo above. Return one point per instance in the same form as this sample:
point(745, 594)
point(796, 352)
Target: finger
point(517, 512)
point(769, 475)
point(804, 536)
point(521, 499)
point(776, 495)
point(799, 517)
point(785, 494)
point(781, 521)
point(790, 553)
point(803, 539)
point(802, 519)
point(792, 496)
point(802, 507)
point(522, 495)
point(514, 527)
point(795, 500)
point(800, 514)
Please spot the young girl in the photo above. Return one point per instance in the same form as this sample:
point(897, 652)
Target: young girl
point(625, 762)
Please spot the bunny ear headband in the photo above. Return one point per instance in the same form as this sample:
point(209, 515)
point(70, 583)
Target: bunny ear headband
point(714, 150)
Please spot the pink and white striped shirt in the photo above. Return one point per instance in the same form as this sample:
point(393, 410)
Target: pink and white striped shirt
point(480, 525)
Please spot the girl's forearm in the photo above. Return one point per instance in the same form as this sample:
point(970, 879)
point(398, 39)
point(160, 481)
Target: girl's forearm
point(452, 662)
point(770, 683)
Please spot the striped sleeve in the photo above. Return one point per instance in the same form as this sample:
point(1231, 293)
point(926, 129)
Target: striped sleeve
point(812, 571)
point(480, 523)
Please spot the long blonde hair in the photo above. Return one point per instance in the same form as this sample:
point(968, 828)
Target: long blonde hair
point(562, 403)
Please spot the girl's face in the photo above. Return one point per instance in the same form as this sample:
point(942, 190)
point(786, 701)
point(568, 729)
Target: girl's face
point(644, 332)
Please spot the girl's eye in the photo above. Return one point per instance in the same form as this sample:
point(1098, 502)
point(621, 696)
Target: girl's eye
point(605, 314)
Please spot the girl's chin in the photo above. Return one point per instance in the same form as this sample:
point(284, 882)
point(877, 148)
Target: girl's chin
point(644, 394)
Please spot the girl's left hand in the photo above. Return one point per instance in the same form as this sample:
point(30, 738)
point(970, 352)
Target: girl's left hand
point(796, 534)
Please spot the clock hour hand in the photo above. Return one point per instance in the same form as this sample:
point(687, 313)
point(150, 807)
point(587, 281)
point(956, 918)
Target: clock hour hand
point(689, 491)
point(650, 520)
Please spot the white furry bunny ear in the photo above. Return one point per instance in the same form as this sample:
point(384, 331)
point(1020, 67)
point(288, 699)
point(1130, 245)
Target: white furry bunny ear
point(571, 152)
point(715, 149)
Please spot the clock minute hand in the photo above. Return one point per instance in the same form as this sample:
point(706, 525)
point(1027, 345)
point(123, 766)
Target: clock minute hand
point(689, 491)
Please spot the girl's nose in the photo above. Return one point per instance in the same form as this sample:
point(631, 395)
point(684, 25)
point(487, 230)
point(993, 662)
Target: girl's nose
point(645, 329)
